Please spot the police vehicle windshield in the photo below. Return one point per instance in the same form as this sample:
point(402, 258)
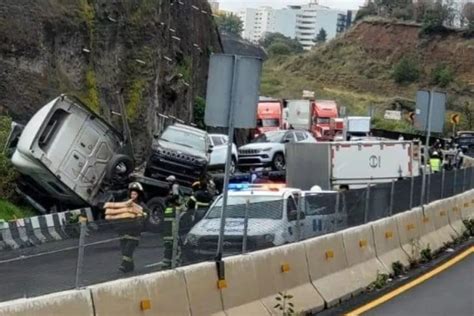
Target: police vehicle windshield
point(260, 207)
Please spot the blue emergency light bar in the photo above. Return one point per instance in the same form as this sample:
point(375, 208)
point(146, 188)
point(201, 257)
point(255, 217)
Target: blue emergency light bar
point(238, 186)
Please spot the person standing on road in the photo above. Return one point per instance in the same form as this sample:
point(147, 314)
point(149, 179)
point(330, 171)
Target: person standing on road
point(128, 219)
point(435, 162)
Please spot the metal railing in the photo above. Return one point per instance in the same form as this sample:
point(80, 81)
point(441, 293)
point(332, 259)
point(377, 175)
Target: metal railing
point(92, 252)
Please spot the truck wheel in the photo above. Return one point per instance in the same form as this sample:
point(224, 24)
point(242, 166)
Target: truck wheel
point(119, 168)
point(233, 165)
point(278, 162)
point(155, 217)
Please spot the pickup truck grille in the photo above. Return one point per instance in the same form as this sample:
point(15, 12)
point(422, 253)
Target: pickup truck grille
point(249, 151)
point(186, 172)
point(231, 243)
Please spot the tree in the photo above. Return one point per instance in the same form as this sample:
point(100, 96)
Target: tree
point(406, 71)
point(230, 23)
point(270, 39)
point(322, 36)
point(369, 10)
point(468, 14)
point(279, 49)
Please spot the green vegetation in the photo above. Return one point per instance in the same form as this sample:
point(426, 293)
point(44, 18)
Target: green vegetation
point(279, 49)
point(279, 44)
point(398, 268)
point(8, 175)
point(442, 76)
point(469, 226)
point(321, 37)
point(230, 23)
point(426, 254)
point(9, 211)
point(185, 68)
point(92, 94)
point(134, 97)
point(406, 71)
point(380, 282)
point(199, 111)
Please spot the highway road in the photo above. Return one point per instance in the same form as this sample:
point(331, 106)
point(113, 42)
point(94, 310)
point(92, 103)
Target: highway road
point(52, 267)
point(449, 292)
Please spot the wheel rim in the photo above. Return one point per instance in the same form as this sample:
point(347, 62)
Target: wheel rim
point(279, 162)
point(155, 217)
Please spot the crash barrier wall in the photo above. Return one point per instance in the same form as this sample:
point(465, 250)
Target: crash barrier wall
point(331, 267)
point(27, 232)
point(71, 303)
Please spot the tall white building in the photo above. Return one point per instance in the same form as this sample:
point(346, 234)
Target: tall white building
point(258, 22)
point(312, 17)
point(302, 22)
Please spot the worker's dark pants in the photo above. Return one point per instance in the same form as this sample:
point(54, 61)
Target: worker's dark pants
point(129, 232)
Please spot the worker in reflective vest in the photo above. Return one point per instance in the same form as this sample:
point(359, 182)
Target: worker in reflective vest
point(127, 218)
point(435, 162)
point(171, 236)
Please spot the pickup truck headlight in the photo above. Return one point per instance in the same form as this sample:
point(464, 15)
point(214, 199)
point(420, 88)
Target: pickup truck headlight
point(192, 240)
point(269, 237)
point(267, 149)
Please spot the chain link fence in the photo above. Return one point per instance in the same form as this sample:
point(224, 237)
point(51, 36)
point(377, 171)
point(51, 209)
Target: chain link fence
point(94, 252)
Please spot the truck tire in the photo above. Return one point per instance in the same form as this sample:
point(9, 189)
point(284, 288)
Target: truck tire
point(154, 220)
point(233, 165)
point(278, 162)
point(119, 168)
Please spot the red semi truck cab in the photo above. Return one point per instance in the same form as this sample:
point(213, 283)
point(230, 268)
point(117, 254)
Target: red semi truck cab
point(322, 112)
point(269, 116)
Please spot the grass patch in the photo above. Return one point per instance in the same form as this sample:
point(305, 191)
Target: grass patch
point(135, 96)
point(9, 211)
point(92, 93)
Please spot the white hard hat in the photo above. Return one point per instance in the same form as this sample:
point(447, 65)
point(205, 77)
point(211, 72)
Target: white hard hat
point(435, 153)
point(135, 186)
point(171, 178)
point(316, 188)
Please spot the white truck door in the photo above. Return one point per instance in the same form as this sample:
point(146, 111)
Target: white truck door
point(292, 209)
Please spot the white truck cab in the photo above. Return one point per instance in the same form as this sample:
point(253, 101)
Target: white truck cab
point(273, 213)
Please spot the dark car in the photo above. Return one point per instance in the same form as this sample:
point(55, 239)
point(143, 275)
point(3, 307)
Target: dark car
point(182, 151)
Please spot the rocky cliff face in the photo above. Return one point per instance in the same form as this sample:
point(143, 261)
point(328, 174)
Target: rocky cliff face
point(155, 51)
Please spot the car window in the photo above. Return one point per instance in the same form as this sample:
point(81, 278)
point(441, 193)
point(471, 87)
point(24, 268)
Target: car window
point(289, 136)
point(291, 205)
point(224, 140)
point(217, 140)
point(300, 136)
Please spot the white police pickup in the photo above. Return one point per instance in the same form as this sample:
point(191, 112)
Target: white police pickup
point(273, 213)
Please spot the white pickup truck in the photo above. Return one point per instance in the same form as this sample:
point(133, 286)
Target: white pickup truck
point(273, 214)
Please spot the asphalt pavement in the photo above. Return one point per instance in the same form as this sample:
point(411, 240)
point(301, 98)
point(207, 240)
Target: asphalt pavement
point(52, 267)
point(449, 293)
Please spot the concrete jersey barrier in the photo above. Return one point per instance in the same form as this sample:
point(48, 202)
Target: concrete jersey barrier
point(241, 296)
point(387, 243)
point(360, 252)
point(328, 268)
point(285, 269)
point(203, 293)
point(455, 214)
point(162, 293)
point(428, 233)
point(445, 230)
point(468, 205)
point(408, 225)
point(70, 303)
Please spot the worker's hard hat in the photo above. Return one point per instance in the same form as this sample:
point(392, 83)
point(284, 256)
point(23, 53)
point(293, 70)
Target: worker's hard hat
point(171, 178)
point(316, 188)
point(435, 153)
point(196, 184)
point(135, 186)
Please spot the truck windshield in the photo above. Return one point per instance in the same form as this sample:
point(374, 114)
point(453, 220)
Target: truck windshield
point(268, 123)
point(270, 137)
point(184, 138)
point(323, 120)
point(260, 207)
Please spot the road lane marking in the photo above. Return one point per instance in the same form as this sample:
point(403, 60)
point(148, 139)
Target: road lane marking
point(409, 285)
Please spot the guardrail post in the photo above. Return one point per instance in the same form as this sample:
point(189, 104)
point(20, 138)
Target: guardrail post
point(367, 204)
point(412, 184)
point(298, 219)
point(336, 213)
point(454, 181)
point(428, 189)
point(80, 256)
point(392, 193)
point(463, 179)
point(246, 225)
point(443, 174)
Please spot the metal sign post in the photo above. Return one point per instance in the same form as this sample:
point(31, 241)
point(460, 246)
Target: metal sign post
point(233, 84)
point(425, 153)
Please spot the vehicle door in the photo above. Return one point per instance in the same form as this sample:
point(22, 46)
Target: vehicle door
point(294, 219)
point(300, 136)
point(289, 137)
point(321, 214)
point(218, 154)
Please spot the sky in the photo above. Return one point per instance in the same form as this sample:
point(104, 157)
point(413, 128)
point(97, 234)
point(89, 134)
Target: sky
point(337, 4)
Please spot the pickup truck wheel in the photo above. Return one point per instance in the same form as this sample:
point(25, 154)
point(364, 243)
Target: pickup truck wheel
point(119, 168)
point(278, 162)
point(233, 165)
point(156, 206)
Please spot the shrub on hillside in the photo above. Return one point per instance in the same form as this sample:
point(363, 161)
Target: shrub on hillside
point(279, 49)
point(442, 76)
point(406, 71)
point(8, 174)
